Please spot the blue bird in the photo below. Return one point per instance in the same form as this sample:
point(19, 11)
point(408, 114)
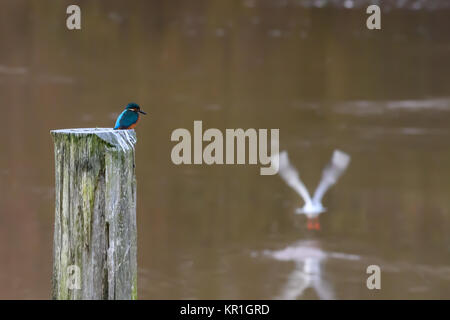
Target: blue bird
point(129, 117)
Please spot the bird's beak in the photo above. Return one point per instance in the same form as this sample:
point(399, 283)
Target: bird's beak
point(140, 111)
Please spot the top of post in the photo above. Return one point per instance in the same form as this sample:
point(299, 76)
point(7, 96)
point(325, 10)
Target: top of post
point(121, 139)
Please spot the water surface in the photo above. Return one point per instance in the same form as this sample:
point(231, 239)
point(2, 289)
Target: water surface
point(310, 69)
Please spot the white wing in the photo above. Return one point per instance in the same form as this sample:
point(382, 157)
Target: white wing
point(290, 175)
point(331, 173)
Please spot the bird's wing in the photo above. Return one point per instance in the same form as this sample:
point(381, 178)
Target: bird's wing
point(119, 118)
point(331, 173)
point(126, 119)
point(290, 175)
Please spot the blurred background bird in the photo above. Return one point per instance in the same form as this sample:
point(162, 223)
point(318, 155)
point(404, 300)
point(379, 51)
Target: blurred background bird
point(129, 117)
point(313, 206)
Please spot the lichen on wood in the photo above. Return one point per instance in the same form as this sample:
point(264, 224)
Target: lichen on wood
point(95, 214)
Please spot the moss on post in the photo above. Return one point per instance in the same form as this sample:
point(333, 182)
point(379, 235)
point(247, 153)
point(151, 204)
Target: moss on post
point(94, 245)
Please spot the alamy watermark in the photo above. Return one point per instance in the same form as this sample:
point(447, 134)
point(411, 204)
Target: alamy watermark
point(73, 21)
point(374, 20)
point(374, 280)
point(213, 153)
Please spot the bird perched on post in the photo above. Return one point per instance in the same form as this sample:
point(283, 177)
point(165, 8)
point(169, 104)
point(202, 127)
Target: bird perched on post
point(129, 117)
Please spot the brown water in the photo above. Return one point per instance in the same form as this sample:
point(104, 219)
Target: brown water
point(225, 231)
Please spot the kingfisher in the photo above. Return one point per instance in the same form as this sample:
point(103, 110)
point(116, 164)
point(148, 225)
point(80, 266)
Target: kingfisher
point(129, 117)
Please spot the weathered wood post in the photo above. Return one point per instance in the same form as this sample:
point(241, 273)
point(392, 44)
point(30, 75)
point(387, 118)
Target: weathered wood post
point(94, 245)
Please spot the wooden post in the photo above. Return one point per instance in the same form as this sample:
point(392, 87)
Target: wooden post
point(94, 245)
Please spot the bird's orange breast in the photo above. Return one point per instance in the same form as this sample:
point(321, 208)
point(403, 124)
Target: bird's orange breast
point(134, 124)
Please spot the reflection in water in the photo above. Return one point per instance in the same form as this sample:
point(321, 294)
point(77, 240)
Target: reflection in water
point(12, 70)
point(309, 260)
point(366, 108)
